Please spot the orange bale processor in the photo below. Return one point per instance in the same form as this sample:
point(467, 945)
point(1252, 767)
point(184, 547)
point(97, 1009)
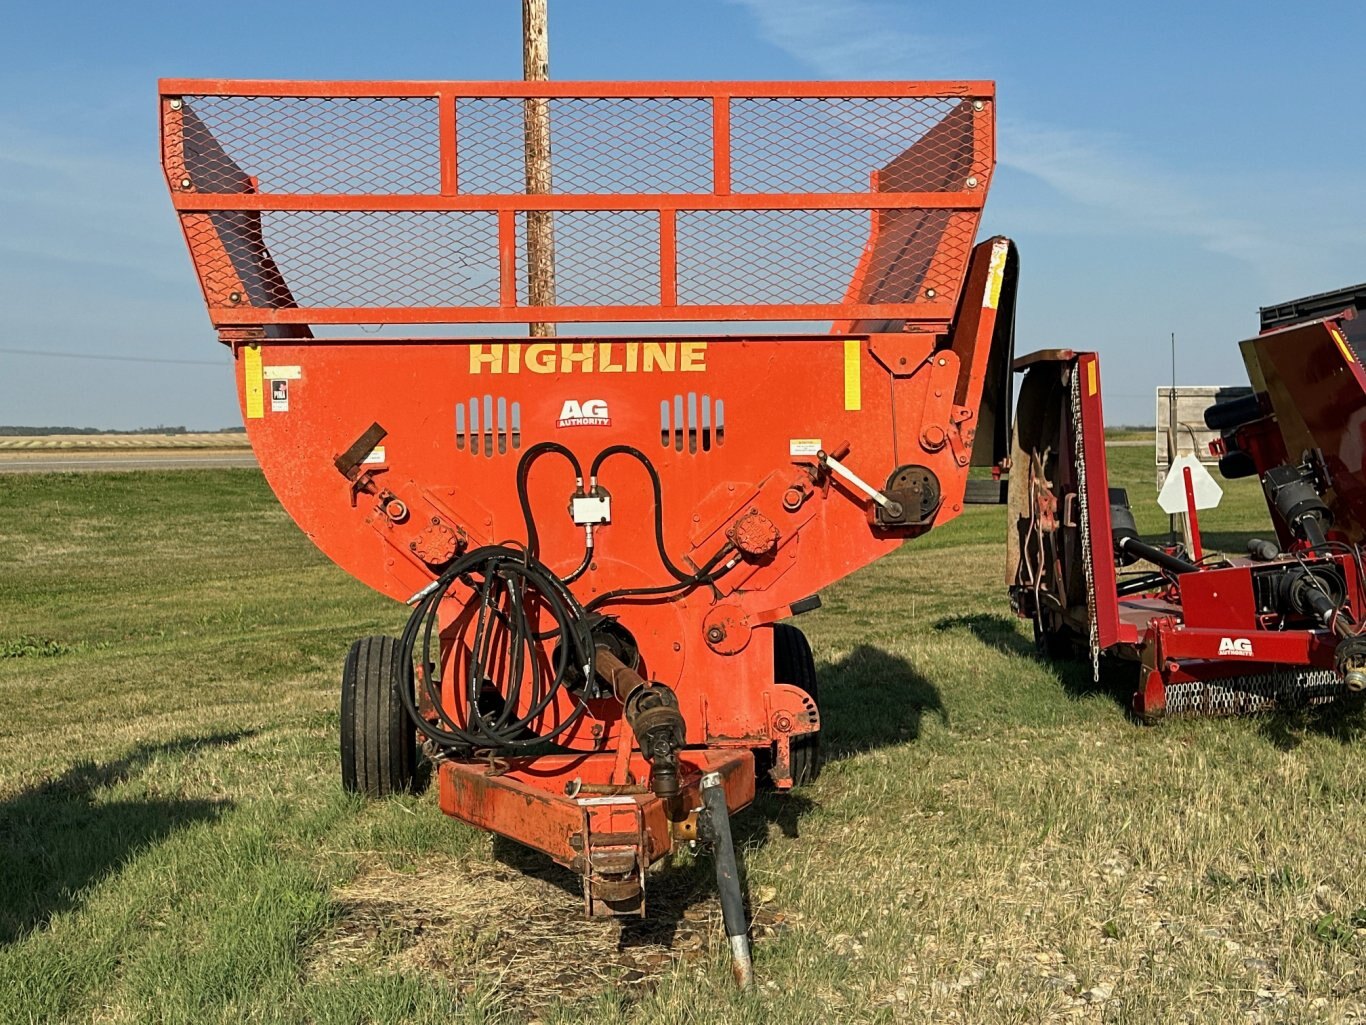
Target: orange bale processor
point(601, 535)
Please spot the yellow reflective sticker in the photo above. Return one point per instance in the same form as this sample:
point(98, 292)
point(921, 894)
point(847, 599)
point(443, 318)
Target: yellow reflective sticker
point(1091, 378)
point(995, 274)
point(251, 382)
point(853, 374)
point(1342, 344)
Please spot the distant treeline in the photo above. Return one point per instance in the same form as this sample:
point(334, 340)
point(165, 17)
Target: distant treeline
point(25, 432)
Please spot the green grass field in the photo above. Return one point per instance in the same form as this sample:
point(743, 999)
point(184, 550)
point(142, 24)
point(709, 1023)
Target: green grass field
point(992, 840)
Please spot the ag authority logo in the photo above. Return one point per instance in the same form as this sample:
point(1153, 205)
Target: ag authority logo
point(590, 413)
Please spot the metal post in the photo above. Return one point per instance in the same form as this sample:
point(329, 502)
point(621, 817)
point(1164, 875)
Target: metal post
point(540, 226)
point(1172, 441)
point(728, 879)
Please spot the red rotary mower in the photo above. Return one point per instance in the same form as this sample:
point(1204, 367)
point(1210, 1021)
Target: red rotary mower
point(1283, 626)
point(600, 536)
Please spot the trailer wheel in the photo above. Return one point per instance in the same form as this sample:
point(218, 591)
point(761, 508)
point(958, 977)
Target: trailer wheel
point(378, 742)
point(794, 665)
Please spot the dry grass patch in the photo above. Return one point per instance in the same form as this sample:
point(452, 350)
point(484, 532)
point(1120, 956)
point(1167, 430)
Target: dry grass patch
point(517, 927)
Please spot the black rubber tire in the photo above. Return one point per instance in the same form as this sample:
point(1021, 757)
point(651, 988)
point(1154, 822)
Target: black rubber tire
point(985, 491)
point(378, 742)
point(793, 664)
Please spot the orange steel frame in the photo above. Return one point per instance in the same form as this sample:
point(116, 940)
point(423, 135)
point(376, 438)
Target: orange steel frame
point(899, 394)
point(668, 205)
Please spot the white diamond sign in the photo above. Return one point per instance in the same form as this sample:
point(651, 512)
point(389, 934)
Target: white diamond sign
point(1172, 497)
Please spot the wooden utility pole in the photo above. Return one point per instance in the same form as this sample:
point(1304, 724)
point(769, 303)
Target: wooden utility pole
point(540, 226)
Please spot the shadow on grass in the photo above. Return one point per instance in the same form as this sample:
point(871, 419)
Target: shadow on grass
point(871, 699)
point(1118, 679)
point(59, 838)
point(1343, 720)
point(868, 699)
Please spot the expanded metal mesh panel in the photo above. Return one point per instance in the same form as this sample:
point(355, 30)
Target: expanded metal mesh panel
point(599, 146)
point(305, 144)
point(1282, 691)
point(711, 205)
point(602, 258)
point(805, 144)
point(944, 276)
point(328, 258)
point(812, 256)
point(768, 256)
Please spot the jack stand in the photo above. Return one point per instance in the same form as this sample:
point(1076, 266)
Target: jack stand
point(728, 879)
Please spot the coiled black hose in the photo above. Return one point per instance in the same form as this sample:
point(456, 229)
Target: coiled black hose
point(510, 587)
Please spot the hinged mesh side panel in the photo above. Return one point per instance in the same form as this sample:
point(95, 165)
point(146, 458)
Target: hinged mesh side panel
point(354, 258)
point(599, 146)
point(321, 145)
point(602, 258)
point(806, 144)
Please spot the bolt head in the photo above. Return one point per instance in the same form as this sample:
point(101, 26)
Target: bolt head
point(177, 104)
point(972, 182)
point(977, 105)
point(930, 293)
point(716, 635)
point(234, 297)
point(185, 183)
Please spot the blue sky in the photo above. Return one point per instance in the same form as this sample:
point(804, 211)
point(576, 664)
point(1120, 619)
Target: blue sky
point(1163, 167)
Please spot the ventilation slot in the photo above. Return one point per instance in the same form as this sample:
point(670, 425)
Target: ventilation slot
point(488, 426)
point(692, 423)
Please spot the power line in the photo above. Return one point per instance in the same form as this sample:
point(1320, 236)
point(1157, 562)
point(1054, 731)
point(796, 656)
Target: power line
point(115, 359)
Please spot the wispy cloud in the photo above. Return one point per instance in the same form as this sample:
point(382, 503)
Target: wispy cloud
point(851, 38)
point(1099, 172)
point(1283, 232)
point(1108, 184)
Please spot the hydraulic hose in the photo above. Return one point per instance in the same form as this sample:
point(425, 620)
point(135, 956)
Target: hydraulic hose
point(509, 587)
point(1142, 550)
point(658, 488)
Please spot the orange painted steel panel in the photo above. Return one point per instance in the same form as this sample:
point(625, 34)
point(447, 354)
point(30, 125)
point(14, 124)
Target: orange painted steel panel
point(855, 204)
